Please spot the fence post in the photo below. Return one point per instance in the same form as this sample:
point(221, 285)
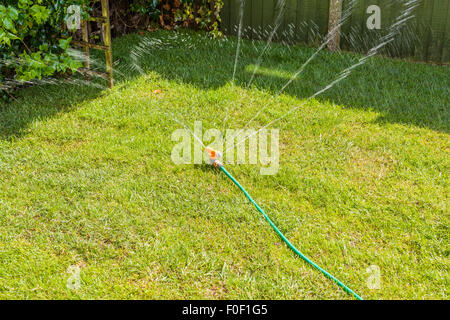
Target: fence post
point(85, 34)
point(334, 28)
point(107, 39)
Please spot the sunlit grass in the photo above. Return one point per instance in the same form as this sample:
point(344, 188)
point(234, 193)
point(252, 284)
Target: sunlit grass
point(87, 179)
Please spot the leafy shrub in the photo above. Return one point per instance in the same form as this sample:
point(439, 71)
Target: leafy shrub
point(203, 14)
point(146, 7)
point(31, 30)
point(29, 39)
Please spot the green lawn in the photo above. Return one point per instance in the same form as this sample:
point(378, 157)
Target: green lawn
point(87, 179)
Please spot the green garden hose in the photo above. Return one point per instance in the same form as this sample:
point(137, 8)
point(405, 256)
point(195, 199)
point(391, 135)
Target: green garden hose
point(290, 245)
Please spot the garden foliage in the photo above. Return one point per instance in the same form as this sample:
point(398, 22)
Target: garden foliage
point(30, 39)
point(35, 43)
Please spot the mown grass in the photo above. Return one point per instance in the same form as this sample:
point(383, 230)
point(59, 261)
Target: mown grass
point(87, 179)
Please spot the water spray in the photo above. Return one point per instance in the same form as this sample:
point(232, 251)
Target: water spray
point(215, 159)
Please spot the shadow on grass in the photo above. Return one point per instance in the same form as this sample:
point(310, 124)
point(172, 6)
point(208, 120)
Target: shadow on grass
point(406, 93)
point(40, 102)
point(402, 92)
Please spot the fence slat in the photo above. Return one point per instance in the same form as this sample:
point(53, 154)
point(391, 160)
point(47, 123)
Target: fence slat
point(290, 19)
point(446, 44)
point(267, 15)
point(302, 30)
point(322, 10)
point(438, 29)
point(225, 16)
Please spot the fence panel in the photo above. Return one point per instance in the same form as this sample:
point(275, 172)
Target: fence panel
point(424, 35)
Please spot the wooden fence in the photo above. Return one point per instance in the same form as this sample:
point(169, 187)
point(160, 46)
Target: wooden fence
point(423, 36)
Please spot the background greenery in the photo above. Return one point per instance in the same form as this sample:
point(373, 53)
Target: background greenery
point(30, 39)
point(30, 30)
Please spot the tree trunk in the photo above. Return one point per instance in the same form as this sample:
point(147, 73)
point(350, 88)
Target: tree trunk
point(334, 28)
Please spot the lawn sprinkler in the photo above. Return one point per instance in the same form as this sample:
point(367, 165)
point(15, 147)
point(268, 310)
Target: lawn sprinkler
point(215, 157)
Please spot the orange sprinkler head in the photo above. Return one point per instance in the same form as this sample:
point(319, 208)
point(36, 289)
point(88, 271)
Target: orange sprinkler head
point(214, 156)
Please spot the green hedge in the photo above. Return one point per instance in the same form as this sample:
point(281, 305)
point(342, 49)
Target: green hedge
point(30, 31)
point(30, 45)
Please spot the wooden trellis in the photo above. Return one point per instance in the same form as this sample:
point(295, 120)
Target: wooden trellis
point(106, 46)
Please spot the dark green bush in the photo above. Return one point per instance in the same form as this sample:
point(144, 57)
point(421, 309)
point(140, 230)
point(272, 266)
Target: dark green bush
point(201, 14)
point(30, 44)
point(31, 30)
